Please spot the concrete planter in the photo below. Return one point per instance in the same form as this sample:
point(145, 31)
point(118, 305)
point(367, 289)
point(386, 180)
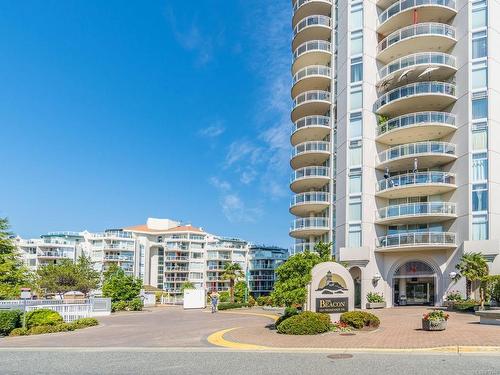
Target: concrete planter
point(375, 305)
point(435, 326)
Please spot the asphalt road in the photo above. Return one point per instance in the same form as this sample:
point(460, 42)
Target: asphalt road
point(222, 362)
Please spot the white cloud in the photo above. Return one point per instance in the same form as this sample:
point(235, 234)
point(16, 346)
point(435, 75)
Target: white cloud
point(220, 184)
point(213, 131)
point(235, 210)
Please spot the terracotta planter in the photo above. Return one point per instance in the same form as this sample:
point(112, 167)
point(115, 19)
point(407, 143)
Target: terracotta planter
point(375, 305)
point(435, 326)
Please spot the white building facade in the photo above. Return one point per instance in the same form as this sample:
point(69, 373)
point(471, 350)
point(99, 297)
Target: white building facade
point(395, 154)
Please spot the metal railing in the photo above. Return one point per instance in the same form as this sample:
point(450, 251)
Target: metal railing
point(310, 223)
point(313, 70)
point(414, 89)
point(417, 209)
point(299, 3)
point(310, 197)
point(414, 149)
point(311, 121)
point(311, 146)
point(185, 258)
point(311, 96)
point(421, 58)
point(301, 247)
point(426, 28)
point(312, 45)
point(404, 5)
point(417, 118)
point(312, 21)
point(417, 178)
point(310, 172)
point(417, 239)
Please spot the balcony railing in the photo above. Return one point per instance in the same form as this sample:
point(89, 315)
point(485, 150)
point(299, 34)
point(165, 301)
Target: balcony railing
point(310, 197)
point(312, 21)
point(310, 172)
point(419, 178)
point(310, 223)
point(418, 118)
point(312, 96)
point(417, 239)
point(312, 146)
point(403, 5)
point(422, 58)
point(313, 45)
point(415, 149)
point(185, 258)
point(299, 3)
point(429, 28)
point(417, 209)
point(301, 247)
point(414, 89)
point(313, 70)
point(311, 121)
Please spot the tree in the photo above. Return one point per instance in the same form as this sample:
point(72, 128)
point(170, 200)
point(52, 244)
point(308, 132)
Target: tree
point(240, 291)
point(88, 276)
point(324, 250)
point(474, 267)
point(120, 287)
point(13, 274)
point(58, 278)
point(232, 272)
point(187, 285)
point(293, 277)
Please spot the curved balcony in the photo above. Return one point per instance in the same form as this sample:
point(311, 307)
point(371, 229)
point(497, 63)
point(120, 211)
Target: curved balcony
point(310, 153)
point(417, 241)
point(314, 27)
point(423, 65)
point(305, 8)
point(309, 178)
point(316, 77)
point(310, 226)
point(420, 95)
point(310, 128)
point(400, 14)
point(416, 213)
point(421, 37)
point(311, 202)
point(416, 184)
point(417, 126)
point(315, 102)
point(314, 52)
point(430, 154)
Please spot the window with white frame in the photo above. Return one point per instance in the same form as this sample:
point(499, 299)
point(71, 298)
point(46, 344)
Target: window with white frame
point(356, 69)
point(479, 197)
point(355, 153)
point(479, 136)
point(480, 166)
point(355, 181)
point(356, 43)
point(479, 77)
point(480, 227)
point(356, 98)
point(479, 44)
point(355, 208)
point(356, 16)
point(355, 125)
point(479, 14)
point(354, 235)
point(479, 106)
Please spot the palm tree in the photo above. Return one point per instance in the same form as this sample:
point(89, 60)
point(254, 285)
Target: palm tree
point(474, 268)
point(187, 285)
point(232, 272)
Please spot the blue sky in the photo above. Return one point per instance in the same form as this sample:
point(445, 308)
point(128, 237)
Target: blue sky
point(114, 111)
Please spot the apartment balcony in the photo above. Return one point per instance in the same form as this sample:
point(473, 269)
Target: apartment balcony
point(417, 126)
point(420, 37)
point(314, 52)
point(301, 247)
point(52, 255)
point(418, 66)
point(306, 8)
point(117, 258)
point(312, 202)
point(417, 213)
point(177, 259)
point(310, 153)
point(434, 96)
point(176, 269)
point(309, 178)
point(400, 14)
point(430, 154)
point(416, 184)
point(311, 226)
point(315, 77)
point(315, 102)
point(417, 241)
point(315, 27)
point(310, 128)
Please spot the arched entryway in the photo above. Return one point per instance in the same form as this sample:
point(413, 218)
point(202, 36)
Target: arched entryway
point(414, 283)
point(356, 276)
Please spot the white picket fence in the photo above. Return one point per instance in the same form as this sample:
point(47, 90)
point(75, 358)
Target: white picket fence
point(69, 312)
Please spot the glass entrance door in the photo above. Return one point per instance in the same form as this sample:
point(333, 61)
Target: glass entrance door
point(418, 293)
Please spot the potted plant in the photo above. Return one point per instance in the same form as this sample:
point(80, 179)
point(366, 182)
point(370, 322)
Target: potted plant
point(452, 298)
point(434, 321)
point(375, 301)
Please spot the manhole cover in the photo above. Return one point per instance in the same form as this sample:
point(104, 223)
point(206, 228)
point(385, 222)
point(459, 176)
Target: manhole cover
point(339, 356)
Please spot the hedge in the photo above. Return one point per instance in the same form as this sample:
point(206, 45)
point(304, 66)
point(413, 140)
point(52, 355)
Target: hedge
point(62, 327)
point(289, 312)
point(9, 320)
point(360, 319)
point(306, 323)
point(229, 305)
point(85, 322)
point(134, 305)
point(43, 317)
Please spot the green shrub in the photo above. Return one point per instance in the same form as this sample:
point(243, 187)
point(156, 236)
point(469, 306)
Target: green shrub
point(135, 305)
point(224, 296)
point(9, 320)
point(43, 317)
point(454, 295)
point(65, 327)
point(465, 305)
point(118, 306)
point(39, 330)
point(306, 323)
point(360, 319)
point(85, 322)
point(18, 332)
point(374, 297)
point(289, 312)
point(264, 301)
point(251, 301)
point(228, 305)
point(495, 291)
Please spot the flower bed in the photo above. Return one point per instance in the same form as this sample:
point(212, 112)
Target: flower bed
point(434, 321)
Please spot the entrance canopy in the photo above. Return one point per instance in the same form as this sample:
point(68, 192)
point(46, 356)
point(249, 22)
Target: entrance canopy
point(414, 269)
